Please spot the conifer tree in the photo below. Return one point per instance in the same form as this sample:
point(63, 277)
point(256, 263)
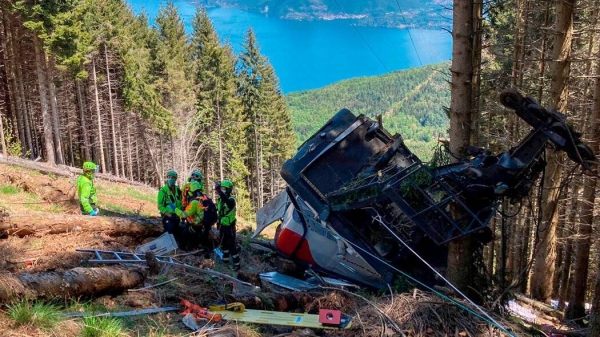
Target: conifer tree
point(171, 66)
point(40, 21)
point(139, 88)
point(250, 81)
point(278, 131)
point(218, 118)
point(270, 132)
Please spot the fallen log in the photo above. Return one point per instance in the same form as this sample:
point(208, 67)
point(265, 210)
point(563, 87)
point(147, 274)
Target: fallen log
point(61, 170)
point(569, 333)
point(71, 283)
point(63, 223)
point(540, 306)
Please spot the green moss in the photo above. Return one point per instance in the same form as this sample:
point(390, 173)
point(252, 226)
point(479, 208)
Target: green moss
point(9, 189)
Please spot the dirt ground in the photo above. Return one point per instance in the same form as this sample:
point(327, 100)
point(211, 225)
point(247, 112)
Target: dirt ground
point(30, 196)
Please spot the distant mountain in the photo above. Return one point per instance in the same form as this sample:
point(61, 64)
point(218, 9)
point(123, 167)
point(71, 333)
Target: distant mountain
point(427, 14)
point(411, 103)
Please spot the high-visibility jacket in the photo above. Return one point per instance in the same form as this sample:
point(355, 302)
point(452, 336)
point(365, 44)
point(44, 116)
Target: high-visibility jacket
point(86, 192)
point(168, 195)
point(194, 212)
point(226, 210)
point(185, 191)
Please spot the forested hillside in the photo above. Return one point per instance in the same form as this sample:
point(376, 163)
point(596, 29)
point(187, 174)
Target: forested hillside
point(411, 102)
point(427, 14)
point(88, 80)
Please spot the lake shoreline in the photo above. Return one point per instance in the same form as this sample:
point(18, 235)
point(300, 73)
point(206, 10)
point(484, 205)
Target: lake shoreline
point(313, 54)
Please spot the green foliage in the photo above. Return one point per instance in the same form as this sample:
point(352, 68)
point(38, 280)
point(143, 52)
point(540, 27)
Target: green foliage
point(402, 284)
point(116, 191)
point(218, 118)
point(102, 327)
point(13, 145)
point(269, 121)
point(85, 306)
point(116, 209)
point(170, 68)
point(137, 194)
point(411, 102)
point(41, 315)
point(8, 189)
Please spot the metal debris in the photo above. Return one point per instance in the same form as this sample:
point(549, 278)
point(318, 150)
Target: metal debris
point(122, 313)
point(162, 245)
point(287, 282)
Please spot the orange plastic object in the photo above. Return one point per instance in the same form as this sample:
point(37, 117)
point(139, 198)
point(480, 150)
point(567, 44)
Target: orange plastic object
point(199, 312)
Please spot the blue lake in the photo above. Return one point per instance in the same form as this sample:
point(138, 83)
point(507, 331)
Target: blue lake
point(312, 54)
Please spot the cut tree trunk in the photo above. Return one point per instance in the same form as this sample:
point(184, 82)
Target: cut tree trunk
point(60, 223)
point(75, 282)
point(543, 307)
point(61, 170)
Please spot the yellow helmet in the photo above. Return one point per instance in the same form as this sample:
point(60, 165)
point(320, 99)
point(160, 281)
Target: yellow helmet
point(89, 166)
point(194, 186)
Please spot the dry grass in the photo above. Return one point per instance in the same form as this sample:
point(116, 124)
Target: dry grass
point(414, 314)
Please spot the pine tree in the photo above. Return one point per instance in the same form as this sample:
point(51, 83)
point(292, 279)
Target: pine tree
point(40, 21)
point(278, 131)
point(270, 132)
point(544, 264)
point(139, 87)
point(172, 68)
point(461, 258)
point(218, 116)
point(250, 81)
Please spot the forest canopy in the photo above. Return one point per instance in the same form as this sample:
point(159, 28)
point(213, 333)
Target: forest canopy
point(412, 102)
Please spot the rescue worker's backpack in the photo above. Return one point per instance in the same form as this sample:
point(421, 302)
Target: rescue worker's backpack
point(210, 210)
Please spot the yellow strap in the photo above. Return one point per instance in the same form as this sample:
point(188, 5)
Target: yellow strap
point(277, 318)
point(234, 306)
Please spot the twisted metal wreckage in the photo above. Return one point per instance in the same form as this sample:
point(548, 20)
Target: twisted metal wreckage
point(360, 205)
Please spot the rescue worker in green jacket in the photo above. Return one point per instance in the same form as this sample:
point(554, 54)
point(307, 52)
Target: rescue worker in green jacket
point(226, 211)
point(169, 199)
point(86, 190)
point(193, 215)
